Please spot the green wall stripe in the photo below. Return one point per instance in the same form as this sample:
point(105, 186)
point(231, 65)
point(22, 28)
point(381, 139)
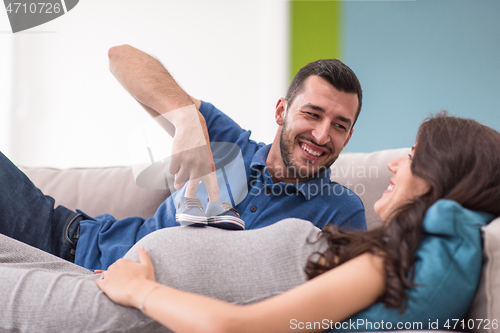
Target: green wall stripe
point(315, 32)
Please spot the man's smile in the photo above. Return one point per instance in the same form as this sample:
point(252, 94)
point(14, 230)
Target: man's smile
point(312, 151)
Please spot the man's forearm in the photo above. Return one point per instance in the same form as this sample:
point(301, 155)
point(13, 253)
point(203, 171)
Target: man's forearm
point(146, 79)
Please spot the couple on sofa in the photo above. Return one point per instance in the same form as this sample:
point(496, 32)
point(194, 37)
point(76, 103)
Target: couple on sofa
point(453, 159)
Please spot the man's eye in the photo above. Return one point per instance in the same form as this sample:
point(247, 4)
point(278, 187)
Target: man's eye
point(314, 115)
point(340, 126)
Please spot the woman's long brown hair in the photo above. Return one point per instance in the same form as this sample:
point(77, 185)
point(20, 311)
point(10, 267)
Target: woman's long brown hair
point(460, 159)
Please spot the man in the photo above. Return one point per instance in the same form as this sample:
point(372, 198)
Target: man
point(289, 178)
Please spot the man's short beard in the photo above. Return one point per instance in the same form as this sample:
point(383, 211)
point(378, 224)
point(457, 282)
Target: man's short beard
point(286, 150)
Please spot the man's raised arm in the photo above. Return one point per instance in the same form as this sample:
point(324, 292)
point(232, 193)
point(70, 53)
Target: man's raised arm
point(149, 82)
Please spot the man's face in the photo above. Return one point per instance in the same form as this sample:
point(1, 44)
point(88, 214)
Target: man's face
point(316, 127)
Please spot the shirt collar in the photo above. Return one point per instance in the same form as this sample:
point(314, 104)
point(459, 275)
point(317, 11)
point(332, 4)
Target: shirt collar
point(309, 189)
point(260, 157)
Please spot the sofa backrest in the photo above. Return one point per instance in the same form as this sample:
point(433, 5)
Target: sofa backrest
point(367, 175)
point(98, 190)
point(114, 191)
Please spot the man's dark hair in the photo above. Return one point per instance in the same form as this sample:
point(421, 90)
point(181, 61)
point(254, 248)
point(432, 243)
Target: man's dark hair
point(335, 72)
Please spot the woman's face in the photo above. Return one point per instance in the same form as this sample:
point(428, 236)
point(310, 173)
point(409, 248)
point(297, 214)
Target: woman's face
point(403, 188)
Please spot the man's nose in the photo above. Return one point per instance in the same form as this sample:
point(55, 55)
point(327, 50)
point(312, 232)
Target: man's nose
point(321, 133)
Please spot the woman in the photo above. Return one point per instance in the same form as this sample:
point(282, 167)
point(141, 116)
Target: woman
point(450, 160)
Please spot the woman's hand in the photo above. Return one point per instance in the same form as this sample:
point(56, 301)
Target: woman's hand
point(127, 282)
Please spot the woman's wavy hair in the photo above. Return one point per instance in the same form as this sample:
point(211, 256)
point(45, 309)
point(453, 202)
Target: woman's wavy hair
point(460, 159)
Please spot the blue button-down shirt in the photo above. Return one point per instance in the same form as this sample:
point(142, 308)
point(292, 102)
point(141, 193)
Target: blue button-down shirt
point(319, 200)
point(245, 182)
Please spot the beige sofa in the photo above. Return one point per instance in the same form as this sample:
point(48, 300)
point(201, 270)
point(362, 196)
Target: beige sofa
point(114, 191)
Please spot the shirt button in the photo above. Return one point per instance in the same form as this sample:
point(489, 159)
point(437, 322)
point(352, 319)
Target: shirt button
point(253, 209)
point(268, 190)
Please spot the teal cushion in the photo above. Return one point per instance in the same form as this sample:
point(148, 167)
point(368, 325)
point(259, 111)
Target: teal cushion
point(447, 272)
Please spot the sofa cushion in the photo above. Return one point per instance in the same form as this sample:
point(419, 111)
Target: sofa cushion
point(367, 175)
point(447, 270)
point(485, 309)
point(98, 190)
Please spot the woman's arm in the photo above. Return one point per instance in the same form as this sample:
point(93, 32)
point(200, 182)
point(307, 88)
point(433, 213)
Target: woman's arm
point(334, 295)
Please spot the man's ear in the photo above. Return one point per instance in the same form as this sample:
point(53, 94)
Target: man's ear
point(279, 115)
point(348, 138)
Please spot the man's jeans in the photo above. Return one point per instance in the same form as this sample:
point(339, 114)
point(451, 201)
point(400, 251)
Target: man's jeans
point(26, 214)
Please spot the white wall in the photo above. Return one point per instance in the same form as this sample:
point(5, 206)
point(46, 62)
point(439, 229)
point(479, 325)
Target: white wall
point(6, 40)
point(68, 110)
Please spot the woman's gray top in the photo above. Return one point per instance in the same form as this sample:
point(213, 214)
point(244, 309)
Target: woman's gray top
point(42, 293)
